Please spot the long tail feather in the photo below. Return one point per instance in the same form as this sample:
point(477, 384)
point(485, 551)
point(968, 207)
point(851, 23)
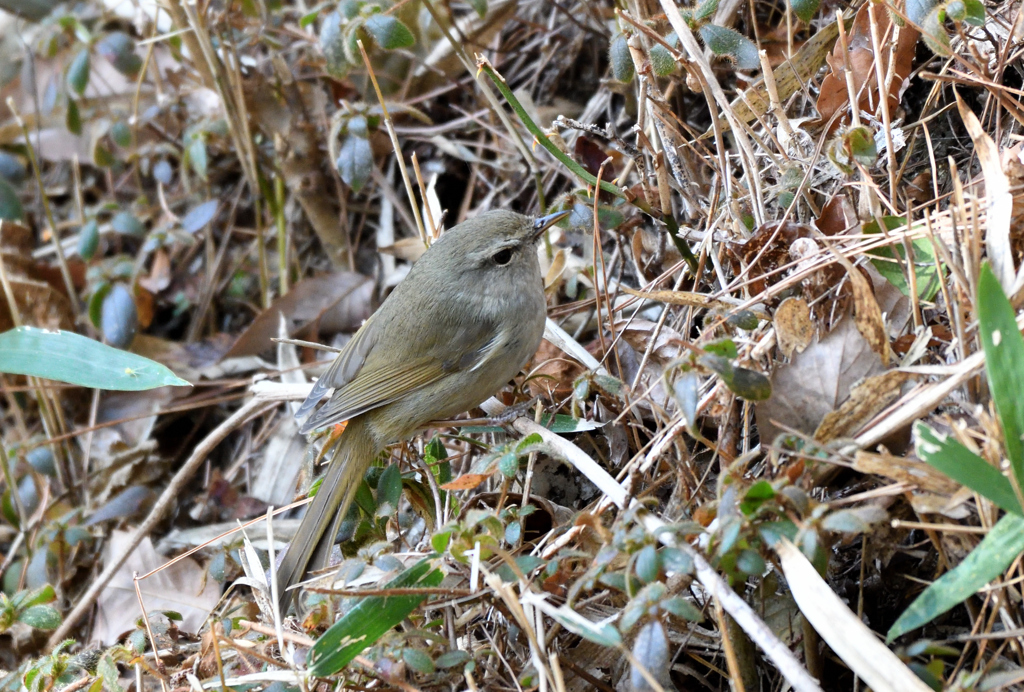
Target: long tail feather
point(311, 546)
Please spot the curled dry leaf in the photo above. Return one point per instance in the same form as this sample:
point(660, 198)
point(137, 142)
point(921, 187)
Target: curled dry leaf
point(794, 328)
point(308, 301)
point(905, 470)
point(866, 400)
point(861, 57)
point(866, 311)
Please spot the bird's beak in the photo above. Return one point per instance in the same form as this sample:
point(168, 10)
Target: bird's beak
point(543, 223)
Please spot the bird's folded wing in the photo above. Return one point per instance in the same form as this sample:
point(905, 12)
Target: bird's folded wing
point(385, 381)
point(345, 367)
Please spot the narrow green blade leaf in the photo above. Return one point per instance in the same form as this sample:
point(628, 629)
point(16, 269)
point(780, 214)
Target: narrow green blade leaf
point(1004, 364)
point(369, 620)
point(994, 554)
point(72, 358)
point(965, 467)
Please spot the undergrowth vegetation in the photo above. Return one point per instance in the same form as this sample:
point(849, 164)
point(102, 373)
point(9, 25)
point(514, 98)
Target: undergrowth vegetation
point(772, 438)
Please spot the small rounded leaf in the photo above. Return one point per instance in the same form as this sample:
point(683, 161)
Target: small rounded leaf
point(662, 61)
point(509, 465)
point(805, 9)
point(88, 239)
point(388, 32)
point(648, 564)
point(119, 318)
point(418, 661)
point(652, 651)
point(730, 43)
point(121, 133)
point(41, 617)
point(332, 44)
point(119, 49)
point(355, 162)
point(78, 72)
point(620, 59)
point(72, 118)
point(10, 205)
point(125, 223)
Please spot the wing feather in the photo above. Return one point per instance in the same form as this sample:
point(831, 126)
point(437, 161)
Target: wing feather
point(364, 389)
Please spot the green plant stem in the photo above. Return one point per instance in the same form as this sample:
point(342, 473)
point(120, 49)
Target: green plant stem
point(282, 236)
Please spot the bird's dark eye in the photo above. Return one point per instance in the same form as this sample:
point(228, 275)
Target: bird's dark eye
point(502, 257)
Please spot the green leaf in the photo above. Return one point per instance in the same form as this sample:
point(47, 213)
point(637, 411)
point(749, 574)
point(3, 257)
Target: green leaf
point(121, 133)
point(620, 59)
point(197, 156)
point(451, 659)
point(119, 317)
point(389, 487)
point(125, 223)
point(993, 555)
point(603, 633)
point(199, 216)
point(508, 464)
point(975, 12)
point(41, 617)
point(69, 357)
point(934, 33)
point(805, 9)
point(648, 564)
point(102, 156)
point(757, 495)
point(355, 162)
point(119, 49)
point(418, 661)
point(73, 118)
point(729, 42)
point(78, 72)
point(854, 520)
point(725, 348)
point(388, 32)
point(39, 596)
point(332, 44)
point(682, 609)
point(860, 144)
point(99, 292)
point(10, 205)
point(369, 620)
point(525, 563)
point(745, 383)
point(956, 10)
point(1004, 364)
point(925, 272)
point(479, 6)
point(918, 10)
point(965, 467)
point(662, 61)
point(705, 10)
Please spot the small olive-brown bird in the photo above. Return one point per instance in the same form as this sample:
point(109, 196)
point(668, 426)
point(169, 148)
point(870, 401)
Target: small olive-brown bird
point(462, 324)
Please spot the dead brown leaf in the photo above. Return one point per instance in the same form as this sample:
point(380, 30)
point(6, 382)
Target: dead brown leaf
point(834, 95)
point(905, 470)
point(866, 311)
point(866, 400)
point(306, 303)
point(816, 381)
point(794, 328)
point(181, 587)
